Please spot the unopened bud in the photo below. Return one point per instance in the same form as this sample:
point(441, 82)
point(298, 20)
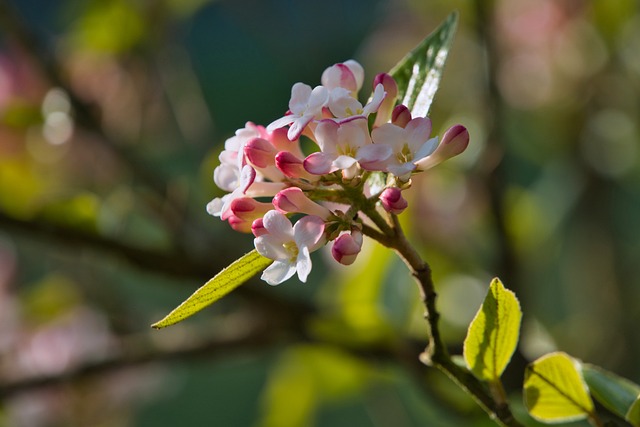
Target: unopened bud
point(260, 152)
point(346, 247)
point(257, 228)
point(392, 200)
point(391, 88)
point(294, 200)
point(454, 141)
point(293, 167)
point(401, 116)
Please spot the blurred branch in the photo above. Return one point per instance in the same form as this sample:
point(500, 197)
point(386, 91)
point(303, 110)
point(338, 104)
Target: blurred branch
point(86, 115)
point(492, 161)
point(139, 351)
point(176, 264)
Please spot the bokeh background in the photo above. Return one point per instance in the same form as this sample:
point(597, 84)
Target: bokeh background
point(112, 115)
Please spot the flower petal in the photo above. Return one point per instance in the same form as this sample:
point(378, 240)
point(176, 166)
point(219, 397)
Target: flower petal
point(309, 232)
point(318, 163)
point(270, 246)
point(278, 272)
point(303, 264)
point(278, 224)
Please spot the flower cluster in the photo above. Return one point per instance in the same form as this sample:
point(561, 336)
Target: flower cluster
point(367, 155)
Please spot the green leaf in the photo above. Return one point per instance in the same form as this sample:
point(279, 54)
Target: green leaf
point(633, 414)
point(493, 334)
point(418, 74)
point(224, 282)
point(554, 390)
point(614, 392)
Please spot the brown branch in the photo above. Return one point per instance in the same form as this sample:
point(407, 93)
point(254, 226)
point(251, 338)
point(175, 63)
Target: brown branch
point(436, 353)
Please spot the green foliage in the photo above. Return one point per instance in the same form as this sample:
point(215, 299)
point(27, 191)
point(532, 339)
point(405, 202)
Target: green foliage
point(224, 282)
point(307, 376)
point(418, 74)
point(493, 334)
point(617, 394)
point(554, 390)
point(633, 414)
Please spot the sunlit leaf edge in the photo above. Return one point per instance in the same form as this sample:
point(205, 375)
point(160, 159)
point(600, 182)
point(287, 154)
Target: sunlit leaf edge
point(505, 338)
point(633, 414)
point(586, 411)
point(418, 74)
point(220, 285)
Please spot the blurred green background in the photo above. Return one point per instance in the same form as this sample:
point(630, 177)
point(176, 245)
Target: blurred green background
point(112, 115)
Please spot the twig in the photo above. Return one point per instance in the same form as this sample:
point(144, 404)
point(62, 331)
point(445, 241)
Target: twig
point(436, 353)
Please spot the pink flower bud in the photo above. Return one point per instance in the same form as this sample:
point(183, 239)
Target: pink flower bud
point(248, 209)
point(339, 75)
point(293, 199)
point(257, 228)
point(401, 116)
point(454, 141)
point(239, 224)
point(259, 152)
point(392, 200)
point(278, 138)
point(346, 247)
point(292, 166)
point(391, 89)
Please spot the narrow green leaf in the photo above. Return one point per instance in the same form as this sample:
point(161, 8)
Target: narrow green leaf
point(493, 334)
point(633, 414)
point(418, 74)
point(554, 390)
point(614, 392)
point(224, 282)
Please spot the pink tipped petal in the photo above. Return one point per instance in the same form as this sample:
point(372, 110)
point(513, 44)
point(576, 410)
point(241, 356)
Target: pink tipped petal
point(318, 163)
point(339, 75)
point(357, 70)
point(278, 272)
point(247, 177)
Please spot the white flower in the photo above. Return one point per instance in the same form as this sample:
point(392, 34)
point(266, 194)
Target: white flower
point(343, 105)
point(289, 246)
point(305, 105)
point(409, 144)
point(344, 146)
point(229, 178)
